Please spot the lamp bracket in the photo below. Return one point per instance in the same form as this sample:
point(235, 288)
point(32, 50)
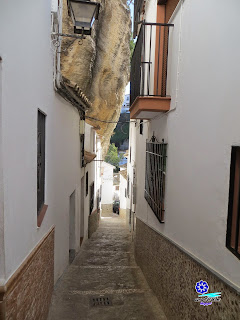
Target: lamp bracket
point(56, 35)
point(68, 35)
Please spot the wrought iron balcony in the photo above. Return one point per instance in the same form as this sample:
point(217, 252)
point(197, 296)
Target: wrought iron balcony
point(149, 71)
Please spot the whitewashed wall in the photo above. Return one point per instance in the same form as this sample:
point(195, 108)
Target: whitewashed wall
point(27, 84)
point(123, 187)
point(199, 133)
point(93, 145)
point(107, 183)
point(2, 253)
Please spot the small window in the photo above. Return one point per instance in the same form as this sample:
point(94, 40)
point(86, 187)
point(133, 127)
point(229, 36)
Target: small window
point(156, 155)
point(91, 205)
point(141, 126)
point(82, 150)
point(86, 184)
point(40, 161)
point(233, 222)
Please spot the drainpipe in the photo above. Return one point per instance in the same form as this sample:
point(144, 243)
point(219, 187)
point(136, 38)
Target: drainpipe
point(57, 76)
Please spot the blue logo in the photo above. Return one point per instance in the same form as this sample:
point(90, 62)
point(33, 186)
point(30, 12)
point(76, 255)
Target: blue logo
point(202, 287)
point(206, 298)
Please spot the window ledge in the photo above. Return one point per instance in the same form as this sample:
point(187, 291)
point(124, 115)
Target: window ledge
point(41, 215)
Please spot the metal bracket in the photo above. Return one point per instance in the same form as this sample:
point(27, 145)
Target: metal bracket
point(68, 35)
point(56, 35)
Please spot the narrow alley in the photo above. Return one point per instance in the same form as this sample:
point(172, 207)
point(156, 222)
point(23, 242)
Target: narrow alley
point(105, 269)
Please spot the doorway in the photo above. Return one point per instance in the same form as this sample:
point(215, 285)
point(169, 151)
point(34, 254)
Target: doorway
point(82, 212)
point(72, 232)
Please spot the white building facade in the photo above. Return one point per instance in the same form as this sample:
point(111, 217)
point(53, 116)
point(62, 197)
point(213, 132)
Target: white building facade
point(183, 143)
point(123, 192)
point(42, 220)
point(107, 187)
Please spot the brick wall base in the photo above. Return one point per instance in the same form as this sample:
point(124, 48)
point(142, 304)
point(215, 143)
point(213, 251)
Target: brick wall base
point(172, 275)
point(27, 295)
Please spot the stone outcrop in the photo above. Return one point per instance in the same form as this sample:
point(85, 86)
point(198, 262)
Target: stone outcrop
point(100, 64)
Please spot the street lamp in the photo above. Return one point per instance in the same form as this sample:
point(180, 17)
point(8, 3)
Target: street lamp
point(83, 13)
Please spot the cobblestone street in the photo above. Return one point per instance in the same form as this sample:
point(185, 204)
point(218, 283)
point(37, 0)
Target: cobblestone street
point(105, 269)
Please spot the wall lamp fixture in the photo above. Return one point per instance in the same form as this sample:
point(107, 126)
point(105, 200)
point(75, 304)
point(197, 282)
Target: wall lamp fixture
point(83, 14)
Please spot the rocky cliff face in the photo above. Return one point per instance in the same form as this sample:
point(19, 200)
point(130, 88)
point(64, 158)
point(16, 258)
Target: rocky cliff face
point(101, 64)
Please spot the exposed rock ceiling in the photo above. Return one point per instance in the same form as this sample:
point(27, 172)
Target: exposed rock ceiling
point(101, 64)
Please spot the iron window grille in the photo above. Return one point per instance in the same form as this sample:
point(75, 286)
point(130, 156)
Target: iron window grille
point(156, 156)
point(41, 160)
point(233, 222)
point(86, 184)
point(82, 150)
point(141, 127)
point(91, 198)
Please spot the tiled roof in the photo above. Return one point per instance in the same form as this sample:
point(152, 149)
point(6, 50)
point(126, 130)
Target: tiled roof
point(70, 91)
point(89, 156)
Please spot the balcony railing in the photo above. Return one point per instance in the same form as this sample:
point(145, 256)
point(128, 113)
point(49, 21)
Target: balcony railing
point(149, 61)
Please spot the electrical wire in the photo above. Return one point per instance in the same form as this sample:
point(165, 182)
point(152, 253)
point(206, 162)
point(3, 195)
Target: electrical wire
point(106, 121)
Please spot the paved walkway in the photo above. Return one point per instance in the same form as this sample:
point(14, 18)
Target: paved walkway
point(105, 269)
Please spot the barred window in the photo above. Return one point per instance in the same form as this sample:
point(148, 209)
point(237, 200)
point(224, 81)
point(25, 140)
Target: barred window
point(141, 127)
point(86, 183)
point(40, 161)
point(82, 150)
point(233, 223)
point(91, 199)
point(156, 154)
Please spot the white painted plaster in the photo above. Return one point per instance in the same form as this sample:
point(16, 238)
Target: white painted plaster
point(2, 251)
point(107, 183)
point(199, 133)
point(92, 144)
point(123, 187)
point(27, 85)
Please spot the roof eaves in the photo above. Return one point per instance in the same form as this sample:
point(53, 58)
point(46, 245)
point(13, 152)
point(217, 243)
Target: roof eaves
point(72, 93)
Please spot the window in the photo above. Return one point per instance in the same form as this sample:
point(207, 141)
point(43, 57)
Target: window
point(40, 161)
point(128, 182)
point(91, 198)
point(141, 126)
point(233, 223)
point(155, 176)
point(82, 150)
point(86, 184)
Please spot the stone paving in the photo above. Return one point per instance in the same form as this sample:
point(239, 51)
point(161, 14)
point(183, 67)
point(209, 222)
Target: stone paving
point(105, 268)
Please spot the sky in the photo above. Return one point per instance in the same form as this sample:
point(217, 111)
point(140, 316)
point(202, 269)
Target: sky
point(127, 90)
